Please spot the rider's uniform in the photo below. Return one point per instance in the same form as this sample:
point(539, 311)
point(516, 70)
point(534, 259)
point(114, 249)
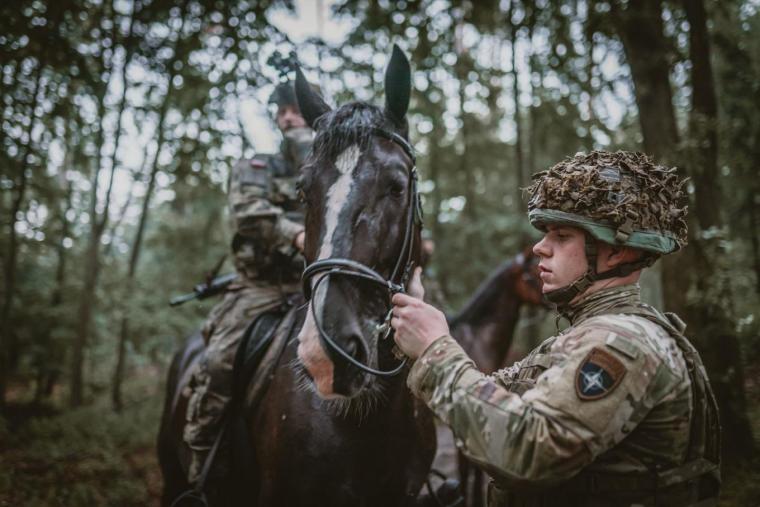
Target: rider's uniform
point(267, 216)
point(612, 411)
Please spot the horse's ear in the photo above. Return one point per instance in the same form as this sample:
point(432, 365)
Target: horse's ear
point(398, 85)
point(312, 106)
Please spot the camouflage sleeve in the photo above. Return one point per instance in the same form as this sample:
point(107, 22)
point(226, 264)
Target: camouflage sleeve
point(554, 430)
point(506, 376)
point(254, 215)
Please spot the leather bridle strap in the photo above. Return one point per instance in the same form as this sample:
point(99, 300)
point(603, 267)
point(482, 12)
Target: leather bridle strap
point(348, 267)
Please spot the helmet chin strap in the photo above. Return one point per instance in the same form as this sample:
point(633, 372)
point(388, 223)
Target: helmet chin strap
point(561, 297)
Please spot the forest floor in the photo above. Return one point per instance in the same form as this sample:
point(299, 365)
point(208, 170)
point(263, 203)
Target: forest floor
point(90, 456)
point(93, 456)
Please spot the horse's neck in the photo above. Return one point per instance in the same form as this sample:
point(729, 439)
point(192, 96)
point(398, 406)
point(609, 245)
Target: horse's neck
point(486, 334)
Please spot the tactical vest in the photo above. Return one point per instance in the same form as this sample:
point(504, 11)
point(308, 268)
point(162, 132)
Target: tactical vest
point(275, 184)
point(695, 483)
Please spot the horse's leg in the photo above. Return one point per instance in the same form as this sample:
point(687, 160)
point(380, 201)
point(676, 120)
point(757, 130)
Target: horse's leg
point(478, 499)
point(170, 445)
point(464, 476)
point(175, 481)
point(173, 475)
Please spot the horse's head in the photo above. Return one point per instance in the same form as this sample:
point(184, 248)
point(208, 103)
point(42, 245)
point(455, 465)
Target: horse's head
point(359, 185)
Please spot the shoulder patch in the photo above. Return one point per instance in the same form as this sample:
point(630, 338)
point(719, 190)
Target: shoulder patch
point(258, 164)
point(598, 375)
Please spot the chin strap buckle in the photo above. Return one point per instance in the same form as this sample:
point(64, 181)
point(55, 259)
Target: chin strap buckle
point(581, 284)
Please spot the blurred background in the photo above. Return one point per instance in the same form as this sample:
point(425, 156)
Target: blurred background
point(121, 119)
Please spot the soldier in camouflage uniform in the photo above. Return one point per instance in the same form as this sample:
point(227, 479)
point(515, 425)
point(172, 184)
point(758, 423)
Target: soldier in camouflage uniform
point(617, 408)
point(268, 238)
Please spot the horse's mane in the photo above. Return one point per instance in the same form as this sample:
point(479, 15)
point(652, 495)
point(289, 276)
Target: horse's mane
point(347, 125)
point(485, 292)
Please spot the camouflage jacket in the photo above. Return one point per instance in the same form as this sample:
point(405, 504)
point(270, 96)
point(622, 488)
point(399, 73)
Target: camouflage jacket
point(610, 397)
point(266, 217)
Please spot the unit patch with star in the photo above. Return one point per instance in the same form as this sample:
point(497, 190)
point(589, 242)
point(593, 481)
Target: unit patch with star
point(598, 375)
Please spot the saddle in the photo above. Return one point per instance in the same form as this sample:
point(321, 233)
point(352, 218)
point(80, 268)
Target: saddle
point(257, 355)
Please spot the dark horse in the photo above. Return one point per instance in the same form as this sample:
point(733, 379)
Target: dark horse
point(485, 326)
point(485, 329)
point(336, 424)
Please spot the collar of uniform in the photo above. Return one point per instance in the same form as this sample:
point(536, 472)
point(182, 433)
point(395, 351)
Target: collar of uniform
point(602, 302)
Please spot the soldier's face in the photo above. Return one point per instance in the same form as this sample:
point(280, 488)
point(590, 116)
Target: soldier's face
point(288, 117)
point(563, 256)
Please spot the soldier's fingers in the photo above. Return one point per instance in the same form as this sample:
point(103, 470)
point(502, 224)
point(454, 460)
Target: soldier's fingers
point(400, 299)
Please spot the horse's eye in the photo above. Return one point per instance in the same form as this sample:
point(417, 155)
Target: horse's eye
point(396, 189)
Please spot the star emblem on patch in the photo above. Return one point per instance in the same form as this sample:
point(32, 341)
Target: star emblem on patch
point(598, 375)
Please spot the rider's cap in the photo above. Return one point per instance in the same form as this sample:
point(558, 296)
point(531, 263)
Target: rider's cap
point(284, 95)
point(620, 198)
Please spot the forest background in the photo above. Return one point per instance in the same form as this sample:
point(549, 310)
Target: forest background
point(121, 118)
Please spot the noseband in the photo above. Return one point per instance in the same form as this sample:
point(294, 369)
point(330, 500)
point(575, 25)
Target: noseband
point(347, 267)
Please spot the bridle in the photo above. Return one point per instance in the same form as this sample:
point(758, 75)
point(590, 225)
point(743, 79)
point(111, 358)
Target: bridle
point(347, 267)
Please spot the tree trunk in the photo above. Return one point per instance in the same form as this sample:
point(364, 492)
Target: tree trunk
point(118, 376)
point(12, 254)
point(712, 311)
point(519, 163)
point(646, 48)
point(470, 209)
point(47, 375)
point(461, 68)
point(98, 222)
point(703, 122)
point(530, 166)
point(754, 227)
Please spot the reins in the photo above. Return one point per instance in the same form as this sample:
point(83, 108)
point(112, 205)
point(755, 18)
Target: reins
point(347, 267)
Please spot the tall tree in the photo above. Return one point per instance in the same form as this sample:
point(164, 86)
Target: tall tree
point(99, 209)
point(520, 171)
point(712, 310)
point(178, 55)
point(43, 46)
point(691, 272)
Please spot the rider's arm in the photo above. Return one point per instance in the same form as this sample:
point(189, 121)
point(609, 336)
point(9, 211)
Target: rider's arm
point(549, 433)
point(253, 213)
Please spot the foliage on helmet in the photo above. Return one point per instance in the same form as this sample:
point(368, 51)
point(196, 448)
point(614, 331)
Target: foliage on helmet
point(622, 190)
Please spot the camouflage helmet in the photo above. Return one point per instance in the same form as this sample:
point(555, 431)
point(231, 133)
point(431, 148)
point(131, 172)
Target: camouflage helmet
point(620, 198)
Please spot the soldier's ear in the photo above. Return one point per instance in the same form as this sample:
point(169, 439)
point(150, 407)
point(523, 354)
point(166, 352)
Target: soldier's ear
point(312, 106)
point(398, 86)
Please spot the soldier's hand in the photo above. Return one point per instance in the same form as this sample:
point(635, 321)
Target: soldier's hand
point(298, 241)
point(417, 324)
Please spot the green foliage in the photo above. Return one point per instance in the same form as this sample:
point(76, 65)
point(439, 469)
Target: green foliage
point(87, 456)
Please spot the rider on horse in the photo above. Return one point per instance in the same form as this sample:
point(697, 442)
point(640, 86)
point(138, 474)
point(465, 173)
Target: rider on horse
point(615, 410)
point(268, 240)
